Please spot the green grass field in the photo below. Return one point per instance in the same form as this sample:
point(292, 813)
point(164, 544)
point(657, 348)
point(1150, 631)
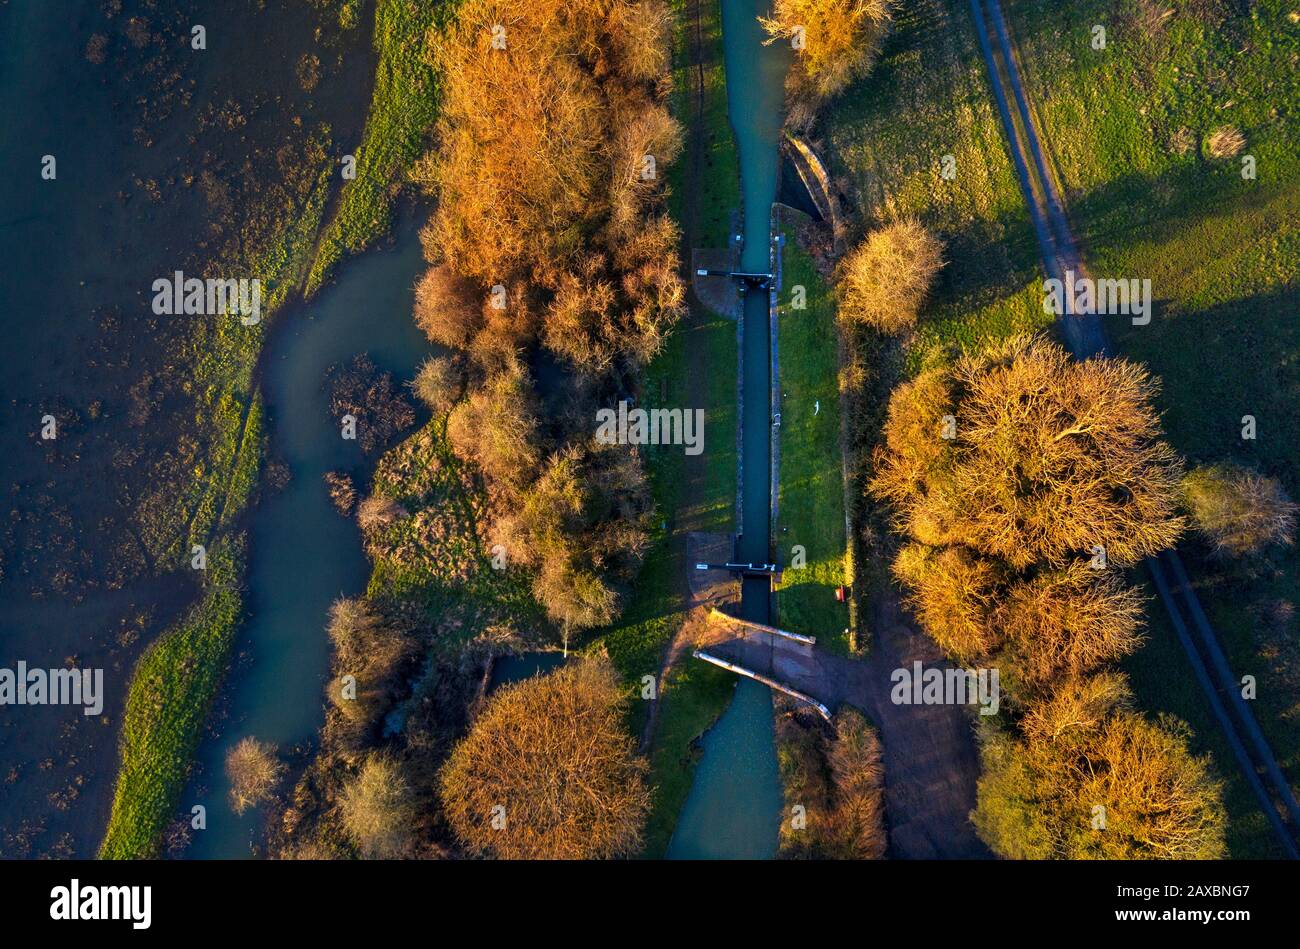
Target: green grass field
point(810, 514)
point(1127, 130)
point(888, 137)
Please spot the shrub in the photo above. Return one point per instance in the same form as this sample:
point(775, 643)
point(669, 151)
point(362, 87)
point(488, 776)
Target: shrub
point(496, 429)
point(253, 771)
point(361, 638)
point(554, 753)
point(370, 651)
point(377, 512)
point(583, 517)
point(835, 774)
point(439, 383)
point(1238, 510)
point(447, 307)
point(342, 492)
point(1224, 142)
point(574, 597)
point(858, 776)
point(884, 280)
point(378, 809)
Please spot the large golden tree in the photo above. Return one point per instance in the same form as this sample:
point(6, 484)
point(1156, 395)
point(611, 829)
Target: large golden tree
point(549, 771)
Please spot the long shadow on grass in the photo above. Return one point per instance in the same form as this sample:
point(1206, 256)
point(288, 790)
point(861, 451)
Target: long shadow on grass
point(1139, 207)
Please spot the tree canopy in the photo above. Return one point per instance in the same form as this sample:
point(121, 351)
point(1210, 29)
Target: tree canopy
point(836, 41)
point(549, 771)
point(1091, 779)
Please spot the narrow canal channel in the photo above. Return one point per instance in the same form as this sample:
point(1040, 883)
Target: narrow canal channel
point(734, 808)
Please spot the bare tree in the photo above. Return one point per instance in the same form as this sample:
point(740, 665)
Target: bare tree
point(253, 771)
point(378, 809)
point(1092, 779)
point(1047, 459)
point(884, 280)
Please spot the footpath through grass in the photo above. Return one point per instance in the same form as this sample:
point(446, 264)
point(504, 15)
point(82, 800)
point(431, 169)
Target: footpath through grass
point(1129, 132)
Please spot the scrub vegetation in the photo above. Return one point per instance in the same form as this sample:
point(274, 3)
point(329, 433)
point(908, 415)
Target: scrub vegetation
point(1239, 511)
point(834, 785)
point(254, 772)
point(503, 525)
point(884, 280)
point(836, 42)
point(551, 254)
point(268, 229)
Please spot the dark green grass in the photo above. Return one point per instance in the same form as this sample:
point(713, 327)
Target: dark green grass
point(1127, 129)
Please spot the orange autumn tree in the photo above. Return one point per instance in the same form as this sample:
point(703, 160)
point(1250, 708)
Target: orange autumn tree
point(549, 771)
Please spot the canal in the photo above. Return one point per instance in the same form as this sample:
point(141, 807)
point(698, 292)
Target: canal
point(734, 808)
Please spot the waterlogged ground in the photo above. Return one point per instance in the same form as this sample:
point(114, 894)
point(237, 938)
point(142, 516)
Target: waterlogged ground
point(131, 137)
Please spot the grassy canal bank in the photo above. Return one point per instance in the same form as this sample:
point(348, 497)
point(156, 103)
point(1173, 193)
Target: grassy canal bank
point(810, 527)
point(695, 369)
point(176, 681)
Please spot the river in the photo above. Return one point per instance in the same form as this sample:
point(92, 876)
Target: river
point(303, 554)
point(734, 808)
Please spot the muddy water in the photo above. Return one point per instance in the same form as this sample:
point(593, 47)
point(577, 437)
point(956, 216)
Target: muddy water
point(734, 808)
point(303, 554)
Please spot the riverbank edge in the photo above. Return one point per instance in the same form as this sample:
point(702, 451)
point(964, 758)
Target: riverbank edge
point(175, 682)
